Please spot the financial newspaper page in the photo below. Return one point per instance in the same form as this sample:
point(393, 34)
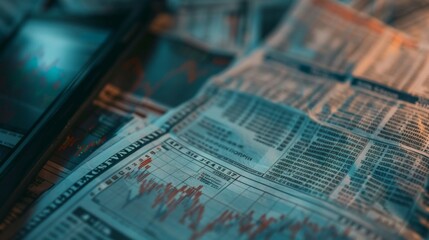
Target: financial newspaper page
point(329, 35)
point(277, 147)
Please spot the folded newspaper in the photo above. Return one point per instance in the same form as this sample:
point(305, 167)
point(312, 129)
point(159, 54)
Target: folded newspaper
point(312, 136)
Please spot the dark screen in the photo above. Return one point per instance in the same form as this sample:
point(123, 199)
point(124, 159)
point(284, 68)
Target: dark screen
point(35, 67)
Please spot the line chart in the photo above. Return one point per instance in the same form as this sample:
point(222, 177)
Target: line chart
point(210, 202)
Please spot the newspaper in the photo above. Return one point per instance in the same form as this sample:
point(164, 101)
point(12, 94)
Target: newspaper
point(276, 147)
point(390, 11)
point(328, 35)
point(331, 36)
point(234, 164)
point(234, 26)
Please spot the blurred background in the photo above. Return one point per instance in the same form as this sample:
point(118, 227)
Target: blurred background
point(44, 43)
